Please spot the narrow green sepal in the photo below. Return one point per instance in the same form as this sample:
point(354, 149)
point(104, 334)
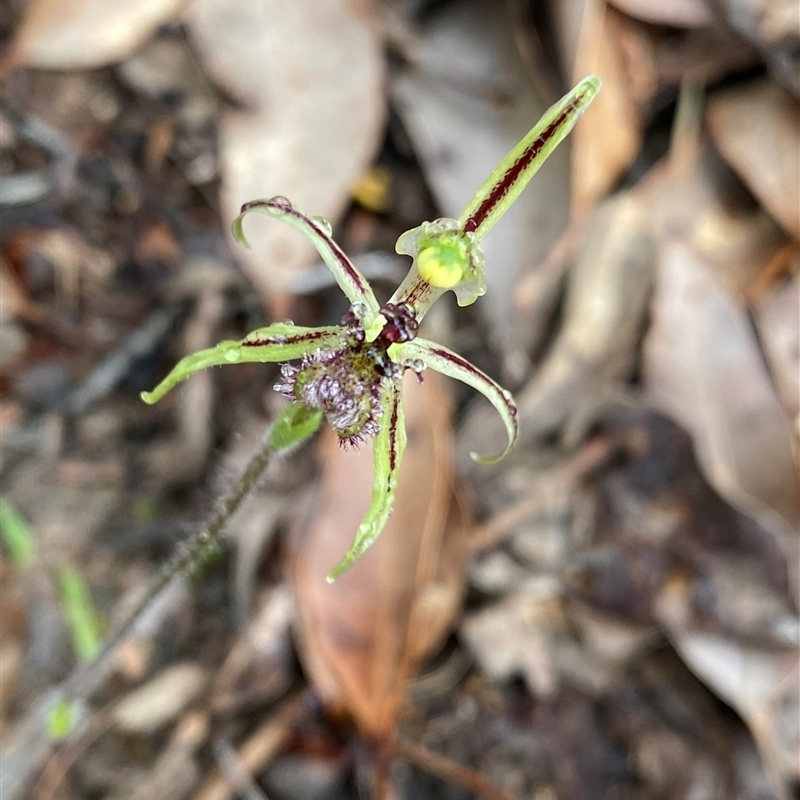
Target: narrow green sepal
point(438, 357)
point(80, 613)
point(512, 175)
point(387, 454)
point(278, 342)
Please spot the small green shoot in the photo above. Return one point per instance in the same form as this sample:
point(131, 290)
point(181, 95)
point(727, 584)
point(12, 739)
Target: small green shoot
point(61, 721)
point(16, 536)
point(81, 617)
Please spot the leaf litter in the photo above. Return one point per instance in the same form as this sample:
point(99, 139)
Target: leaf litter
point(630, 611)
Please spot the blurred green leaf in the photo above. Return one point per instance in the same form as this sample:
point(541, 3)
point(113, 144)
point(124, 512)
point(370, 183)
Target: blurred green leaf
point(61, 721)
point(80, 614)
point(16, 535)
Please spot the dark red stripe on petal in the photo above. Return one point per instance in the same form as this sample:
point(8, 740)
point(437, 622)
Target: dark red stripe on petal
point(393, 422)
point(310, 336)
point(284, 206)
point(344, 261)
point(448, 355)
point(520, 165)
point(454, 358)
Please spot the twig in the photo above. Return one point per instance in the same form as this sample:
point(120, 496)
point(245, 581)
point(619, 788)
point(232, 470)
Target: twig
point(256, 752)
point(591, 455)
point(780, 263)
point(448, 770)
point(230, 765)
point(112, 369)
point(536, 284)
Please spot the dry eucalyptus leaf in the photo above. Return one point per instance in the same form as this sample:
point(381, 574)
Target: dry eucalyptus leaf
point(703, 367)
point(363, 637)
point(757, 129)
point(518, 635)
point(535, 632)
point(84, 34)
point(466, 101)
point(706, 203)
point(609, 136)
point(676, 13)
point(773, 28)
point(311, 73)
point(161, 700)
point(761, 684)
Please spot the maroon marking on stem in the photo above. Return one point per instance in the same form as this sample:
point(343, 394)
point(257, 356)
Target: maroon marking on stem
point(418, 293)
point(513, 172)
point(393, 437)
point(311, 336)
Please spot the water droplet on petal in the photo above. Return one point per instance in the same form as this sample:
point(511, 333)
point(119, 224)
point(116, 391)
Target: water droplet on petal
point(279, 205)
point(230, 351)
point(323, 225)
point(416, 364)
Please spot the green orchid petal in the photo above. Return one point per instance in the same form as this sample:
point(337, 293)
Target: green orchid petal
point(504, 185)
point(433, 355)
point(279, 342)
point(347, 275)
point(387, 452)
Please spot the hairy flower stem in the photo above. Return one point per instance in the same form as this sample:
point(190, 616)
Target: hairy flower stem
point(292, 427)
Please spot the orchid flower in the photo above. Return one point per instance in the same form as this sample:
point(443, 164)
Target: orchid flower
point(351, 373)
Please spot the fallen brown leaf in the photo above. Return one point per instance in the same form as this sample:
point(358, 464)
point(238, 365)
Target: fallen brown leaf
point(773, 28)
point(756, 128)
point(702, 366)
point(761, 684)
point(311, 73)
point(678, 13)
point(84, 34)
point(609, 136)
point(363, 637)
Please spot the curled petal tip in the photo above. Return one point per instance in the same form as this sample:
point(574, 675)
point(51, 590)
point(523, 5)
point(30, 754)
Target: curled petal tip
point(148, 397)
point(453, 365)
point(237, 229)
point(487, 460)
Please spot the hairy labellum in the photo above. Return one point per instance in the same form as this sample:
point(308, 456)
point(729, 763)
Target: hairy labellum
point(345, 383)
